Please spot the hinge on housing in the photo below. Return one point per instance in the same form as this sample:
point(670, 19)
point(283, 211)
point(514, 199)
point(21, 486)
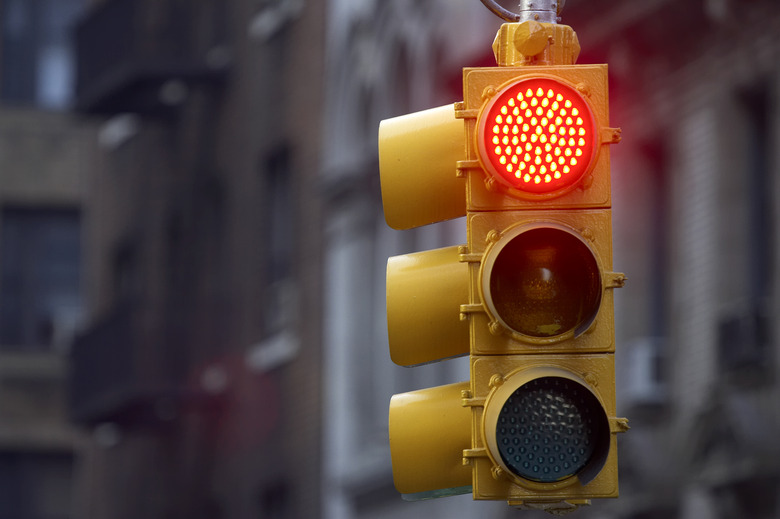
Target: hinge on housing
point(462, 166)
point(470, 309)
point(469, 257)
point(467, 400)
point(470, 454)
point(462, 113)
point(615, 280)
point(611, 135)
point(618, 425)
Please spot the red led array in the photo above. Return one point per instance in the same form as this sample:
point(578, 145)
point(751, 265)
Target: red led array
point(537, 136)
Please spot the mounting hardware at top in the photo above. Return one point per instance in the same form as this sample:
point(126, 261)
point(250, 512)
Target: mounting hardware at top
point(544, 11)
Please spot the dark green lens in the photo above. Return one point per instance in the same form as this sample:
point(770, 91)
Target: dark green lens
point(549, 429)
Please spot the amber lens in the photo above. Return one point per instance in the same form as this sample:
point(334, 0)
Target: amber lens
point(545, 282)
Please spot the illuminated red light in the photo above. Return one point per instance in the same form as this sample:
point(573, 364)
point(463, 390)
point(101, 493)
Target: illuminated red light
point(537, 136)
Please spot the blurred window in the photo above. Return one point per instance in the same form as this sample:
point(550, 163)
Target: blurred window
point(40, 279)
point(757, 105)
point(745, 328)
point(279, 219)
point(37, 64)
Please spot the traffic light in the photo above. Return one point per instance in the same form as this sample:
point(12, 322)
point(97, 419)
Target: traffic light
point(528, 298)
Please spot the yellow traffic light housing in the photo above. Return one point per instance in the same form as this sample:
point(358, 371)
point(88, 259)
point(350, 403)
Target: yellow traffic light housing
point(424, 293)
point(536, 136)
point(528, 297)
point(585, 184)
point(429, 430)
point(416, 156)
point(542, 282)
point(544, 429)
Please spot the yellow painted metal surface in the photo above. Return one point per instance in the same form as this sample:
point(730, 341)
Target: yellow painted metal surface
point(487, 230)
point(486, 194)
point(424, 294)
point(493, 378)
point(418, 154)
point(534, 43)
point(429, 429)
point(502, 358)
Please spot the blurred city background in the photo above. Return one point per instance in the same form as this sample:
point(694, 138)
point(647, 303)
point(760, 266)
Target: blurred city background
point(193, 250)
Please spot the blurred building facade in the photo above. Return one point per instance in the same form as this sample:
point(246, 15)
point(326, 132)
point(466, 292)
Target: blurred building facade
point(235, 363)
point(199, 373)
point(43, 153)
